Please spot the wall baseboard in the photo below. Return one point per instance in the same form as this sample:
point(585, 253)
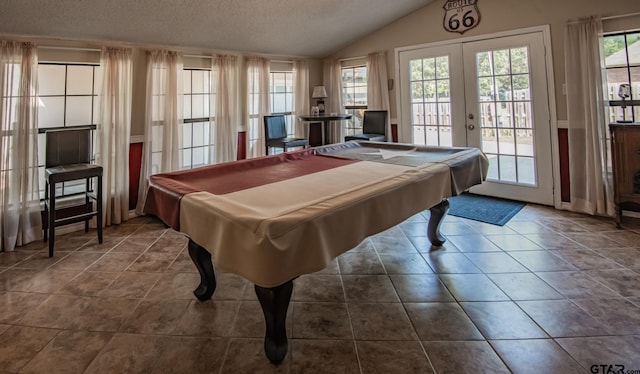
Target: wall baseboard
point(625, 213)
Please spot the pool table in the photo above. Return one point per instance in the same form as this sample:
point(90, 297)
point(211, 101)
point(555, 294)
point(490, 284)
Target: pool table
point(271, 219)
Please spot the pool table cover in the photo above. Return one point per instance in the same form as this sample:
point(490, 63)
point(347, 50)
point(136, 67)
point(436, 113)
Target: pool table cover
point(273, 218)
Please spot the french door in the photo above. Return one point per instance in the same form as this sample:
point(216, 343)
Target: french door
point(491, 94)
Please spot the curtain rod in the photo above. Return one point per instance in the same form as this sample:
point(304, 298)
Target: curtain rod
point(70, 48)
point(210, 57)
point(197, 56)
point(574, 21)
point(99, 50)
point(621, 16)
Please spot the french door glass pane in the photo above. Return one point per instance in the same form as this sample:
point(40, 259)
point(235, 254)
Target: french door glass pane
point(504, 115)
point(526, 170)
point(504, 95)
point(507, 167)
point(445, 137)
point(489, 141)
point(506, 142)
point(418, 135)
point(519, 60)
point(524, 139)
point(431, 101)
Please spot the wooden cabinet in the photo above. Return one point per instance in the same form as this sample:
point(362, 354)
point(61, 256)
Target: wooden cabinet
point(625, 149)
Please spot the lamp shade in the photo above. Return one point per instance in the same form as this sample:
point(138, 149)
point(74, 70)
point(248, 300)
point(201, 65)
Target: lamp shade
point(319, 92)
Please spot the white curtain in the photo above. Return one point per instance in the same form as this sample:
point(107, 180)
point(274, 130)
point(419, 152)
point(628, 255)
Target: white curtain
point(333, 104)
point(114, 128)
point(162, 140)
point(257, 104)
point(20, 221)
point(591, 190)
point(226, 107)
point(377, 86)
point(301, 96)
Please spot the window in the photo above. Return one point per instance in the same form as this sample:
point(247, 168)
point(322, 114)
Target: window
point(622, 66)
point(68, 97)
point(281, 97)
point(354, 96)
point(198, 125)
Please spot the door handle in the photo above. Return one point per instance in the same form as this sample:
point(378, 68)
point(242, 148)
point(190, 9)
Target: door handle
point(471, 126)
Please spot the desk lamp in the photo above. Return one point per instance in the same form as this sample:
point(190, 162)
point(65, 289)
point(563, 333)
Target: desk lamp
point(624, 92)
point(319, 93)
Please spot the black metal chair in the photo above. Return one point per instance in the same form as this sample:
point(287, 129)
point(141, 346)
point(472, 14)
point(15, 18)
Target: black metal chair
point(275, 134)
point(374, 127)
point(68, 158)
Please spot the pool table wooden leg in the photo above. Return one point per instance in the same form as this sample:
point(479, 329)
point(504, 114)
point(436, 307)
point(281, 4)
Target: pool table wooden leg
point(437, 215)
point(275, 302)
point(202, 259)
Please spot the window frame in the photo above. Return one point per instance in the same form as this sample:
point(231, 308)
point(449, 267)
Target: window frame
point(634, 101)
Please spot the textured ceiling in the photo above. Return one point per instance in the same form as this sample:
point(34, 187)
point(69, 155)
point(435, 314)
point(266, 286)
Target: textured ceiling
point(313, 28)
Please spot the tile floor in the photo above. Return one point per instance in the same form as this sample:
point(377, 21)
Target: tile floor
point(550, 292)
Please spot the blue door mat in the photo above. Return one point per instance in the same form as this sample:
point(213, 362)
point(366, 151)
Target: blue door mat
point(484, 208)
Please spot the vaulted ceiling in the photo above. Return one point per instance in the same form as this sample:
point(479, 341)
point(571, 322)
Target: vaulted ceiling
point(305, 28)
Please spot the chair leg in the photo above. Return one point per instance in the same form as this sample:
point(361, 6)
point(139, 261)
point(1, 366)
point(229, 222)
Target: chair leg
point(46, 209)
point(86, 202)
point(99, 208)
point(52, 217)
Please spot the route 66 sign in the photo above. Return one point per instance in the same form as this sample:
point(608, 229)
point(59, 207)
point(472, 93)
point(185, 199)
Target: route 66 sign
point(461, 15)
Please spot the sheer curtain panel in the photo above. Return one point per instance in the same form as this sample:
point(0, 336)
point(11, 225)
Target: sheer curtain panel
point(114, 128)
point(257, 104)
point(333, 104)
point(20, 220)
point(377, 86)
point(226, 107)
point(591, 185)
point(161, 149)
point(301, 96)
